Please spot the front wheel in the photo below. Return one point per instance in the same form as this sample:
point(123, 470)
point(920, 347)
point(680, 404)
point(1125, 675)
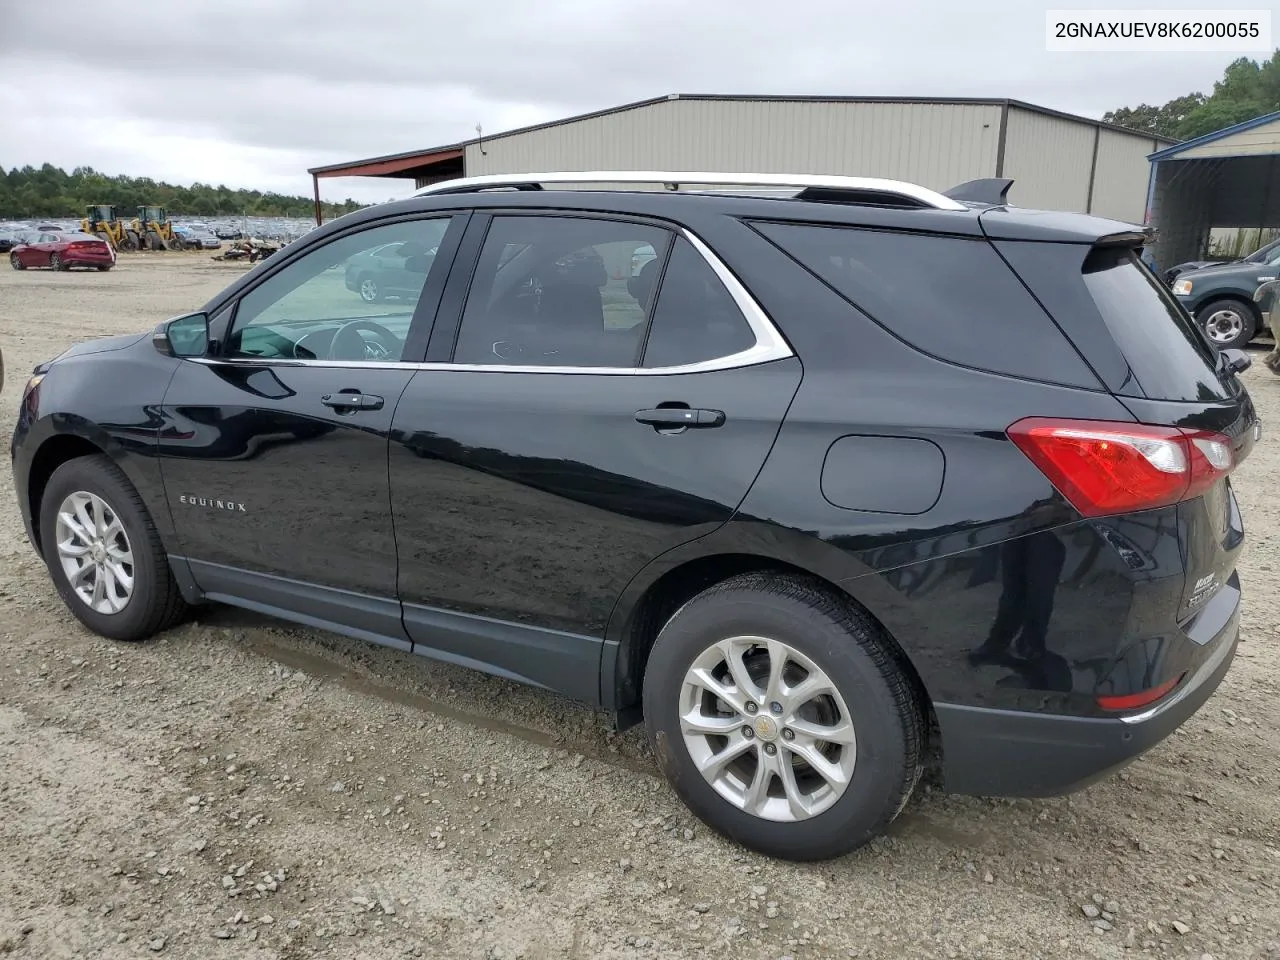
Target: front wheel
point(784, 717)
point(103, 552)
point(1229, 324)
point(16, 262)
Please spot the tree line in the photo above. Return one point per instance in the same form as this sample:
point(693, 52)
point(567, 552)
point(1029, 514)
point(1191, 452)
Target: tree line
point(1247, 89)
point(49, 191)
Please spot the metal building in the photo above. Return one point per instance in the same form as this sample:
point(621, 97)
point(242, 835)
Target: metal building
point(1058, 161)
point(1229, 178)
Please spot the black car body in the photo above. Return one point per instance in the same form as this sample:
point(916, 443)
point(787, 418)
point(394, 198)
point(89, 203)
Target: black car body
point(982, 446)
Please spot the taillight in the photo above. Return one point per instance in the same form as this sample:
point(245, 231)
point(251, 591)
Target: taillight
point(1107, 468)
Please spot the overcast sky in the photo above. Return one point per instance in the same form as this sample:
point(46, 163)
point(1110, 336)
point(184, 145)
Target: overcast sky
point(251, 94)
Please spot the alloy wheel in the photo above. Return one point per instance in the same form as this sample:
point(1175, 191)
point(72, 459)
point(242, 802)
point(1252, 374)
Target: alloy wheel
point(95, 553)
point(1223, 326)
point(368, 290)
point(55, 262)
point(767, 728)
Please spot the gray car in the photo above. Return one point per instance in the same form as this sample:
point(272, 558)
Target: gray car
point(391, 270)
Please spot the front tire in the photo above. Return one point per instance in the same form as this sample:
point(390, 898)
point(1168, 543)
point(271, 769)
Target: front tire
point(369, 290)
point(103, 552)
point(1229, 324)
point(784, 717)
point(16, 262)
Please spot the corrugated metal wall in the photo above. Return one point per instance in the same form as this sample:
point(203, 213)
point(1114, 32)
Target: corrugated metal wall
point(1252, 142)
point(1049, 158)
point(1192, 196)
point(1121, 175)
point(937, 145)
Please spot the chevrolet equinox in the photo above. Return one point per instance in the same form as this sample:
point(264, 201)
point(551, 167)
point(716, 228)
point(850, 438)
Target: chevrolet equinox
point(848, 474)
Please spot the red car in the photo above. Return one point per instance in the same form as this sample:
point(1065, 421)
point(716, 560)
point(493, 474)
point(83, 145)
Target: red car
point(62, 251)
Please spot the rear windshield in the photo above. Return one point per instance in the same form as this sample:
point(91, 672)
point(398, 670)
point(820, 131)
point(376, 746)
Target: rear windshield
point(1168, 354)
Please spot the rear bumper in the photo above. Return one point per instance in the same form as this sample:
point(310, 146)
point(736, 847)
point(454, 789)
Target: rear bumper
point(1011, 753)
point(87, 259)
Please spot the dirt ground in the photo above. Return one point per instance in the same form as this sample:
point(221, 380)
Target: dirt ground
point(242, 788)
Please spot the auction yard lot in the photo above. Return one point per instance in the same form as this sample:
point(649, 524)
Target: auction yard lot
point(240, 787)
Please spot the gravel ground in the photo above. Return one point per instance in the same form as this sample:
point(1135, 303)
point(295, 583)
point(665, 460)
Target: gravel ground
point(242, 788)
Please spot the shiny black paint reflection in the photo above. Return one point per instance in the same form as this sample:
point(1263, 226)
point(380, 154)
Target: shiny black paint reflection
point(536, 498)
point(313, 480)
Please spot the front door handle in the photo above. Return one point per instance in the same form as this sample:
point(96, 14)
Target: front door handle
point(352, 401)
point(671, 418)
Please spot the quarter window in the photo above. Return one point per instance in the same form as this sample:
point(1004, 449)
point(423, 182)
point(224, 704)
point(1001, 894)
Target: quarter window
point(352, 299)
point(695, 318)
point(559, 292)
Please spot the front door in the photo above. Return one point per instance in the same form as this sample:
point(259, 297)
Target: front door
point(275, 448)
point(587, 422)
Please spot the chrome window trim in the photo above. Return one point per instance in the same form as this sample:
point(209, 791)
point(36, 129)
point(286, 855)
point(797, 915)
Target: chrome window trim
point(898, 188)
point(769, 343)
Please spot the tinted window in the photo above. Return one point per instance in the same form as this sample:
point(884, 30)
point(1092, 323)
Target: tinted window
point(695, 317)
point(557, 291)
point(951, 297)
point(351, 299)
point(1169, 356)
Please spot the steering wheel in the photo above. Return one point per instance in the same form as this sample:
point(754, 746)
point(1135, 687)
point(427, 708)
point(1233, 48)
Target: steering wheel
point(349, 343)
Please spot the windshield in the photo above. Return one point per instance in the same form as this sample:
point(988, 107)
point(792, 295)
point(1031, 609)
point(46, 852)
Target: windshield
point(1270, 253)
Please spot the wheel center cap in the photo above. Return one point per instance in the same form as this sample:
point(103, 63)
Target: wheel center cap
point(98, 552)
point(766, 729)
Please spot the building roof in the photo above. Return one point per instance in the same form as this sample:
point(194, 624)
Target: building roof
point(401, 164)
point(1228, 141)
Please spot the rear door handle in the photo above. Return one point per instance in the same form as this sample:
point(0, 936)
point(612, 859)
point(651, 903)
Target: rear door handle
point(352, 401)
point(676, 417)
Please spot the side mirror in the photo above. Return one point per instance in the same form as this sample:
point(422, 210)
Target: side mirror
point(183, 336)
point(1237, 360)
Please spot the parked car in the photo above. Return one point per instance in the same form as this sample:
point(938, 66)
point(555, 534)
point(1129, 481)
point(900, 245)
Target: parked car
point(198, 237)
point(62, 251)
point(1261, 255)
point(389, 270)
point(872, 476)
point(1221, 298)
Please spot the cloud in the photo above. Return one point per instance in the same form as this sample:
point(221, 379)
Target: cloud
point(251, 94)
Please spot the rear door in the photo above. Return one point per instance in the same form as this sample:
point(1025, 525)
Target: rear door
point(576, 423)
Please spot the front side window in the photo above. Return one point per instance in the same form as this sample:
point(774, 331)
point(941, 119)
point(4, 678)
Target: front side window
point(351, 299)
point(559, 292)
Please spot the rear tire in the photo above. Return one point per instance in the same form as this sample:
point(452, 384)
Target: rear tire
point(869, 760)
point(104, 267)
point(55, 263)
point(138, 595)
point(1229, 324)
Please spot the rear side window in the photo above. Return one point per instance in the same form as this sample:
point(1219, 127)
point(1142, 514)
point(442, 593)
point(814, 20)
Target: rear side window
point(1167, 353)
point(951, 297)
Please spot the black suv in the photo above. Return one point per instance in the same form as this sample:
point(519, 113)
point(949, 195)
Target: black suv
point(847, 475)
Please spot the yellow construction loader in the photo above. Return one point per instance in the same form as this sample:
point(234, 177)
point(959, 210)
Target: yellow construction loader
point(100, 221)
point(151, 230)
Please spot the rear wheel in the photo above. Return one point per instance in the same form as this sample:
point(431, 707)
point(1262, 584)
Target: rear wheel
point(1229, 324)
point(16, 262)
point(104, 267)
point(783, 717)
point(103, 552)
point(369, 291)
point(55, 263)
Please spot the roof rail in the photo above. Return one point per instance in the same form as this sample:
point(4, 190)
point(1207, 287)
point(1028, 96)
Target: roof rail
point(811, 186)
